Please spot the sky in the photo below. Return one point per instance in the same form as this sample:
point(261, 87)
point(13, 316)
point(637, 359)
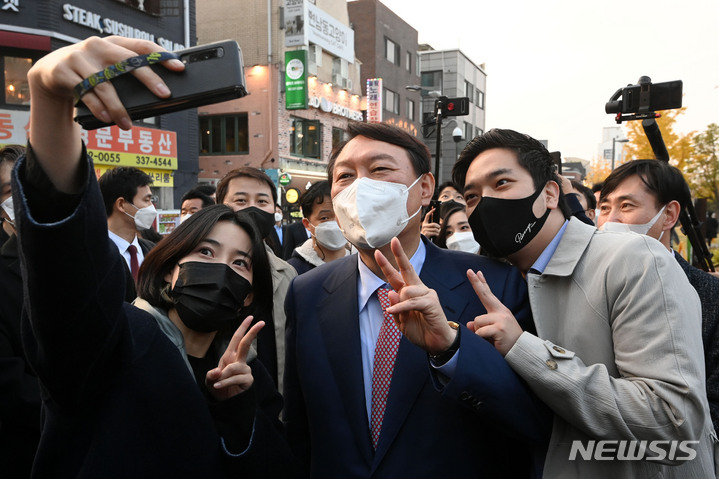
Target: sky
point(553, 64)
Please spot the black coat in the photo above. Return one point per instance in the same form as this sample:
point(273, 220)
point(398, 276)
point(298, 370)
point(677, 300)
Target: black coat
point(118, 399)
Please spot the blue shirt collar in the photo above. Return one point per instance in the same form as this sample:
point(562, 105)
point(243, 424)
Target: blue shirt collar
point(541, 264)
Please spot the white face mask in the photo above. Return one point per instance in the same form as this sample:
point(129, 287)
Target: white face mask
point(372, 212)
point(144, 217)
point(184, 218)
point(329, 235)
point(642, 229)
point(463, 241)
point(8, 209)
point(278, 217)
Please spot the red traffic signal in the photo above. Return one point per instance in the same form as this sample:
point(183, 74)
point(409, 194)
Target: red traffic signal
point(453, 106)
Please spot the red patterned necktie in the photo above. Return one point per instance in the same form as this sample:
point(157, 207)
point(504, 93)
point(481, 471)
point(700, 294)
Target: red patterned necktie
point(132, 249)
point(385, 355)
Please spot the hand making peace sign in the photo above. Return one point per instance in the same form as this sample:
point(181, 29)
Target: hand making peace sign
point(232, 375)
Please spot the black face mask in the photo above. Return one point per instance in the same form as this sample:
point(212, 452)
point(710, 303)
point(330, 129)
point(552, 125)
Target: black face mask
point(265, 221)
point(208, 296)
point(503, 226)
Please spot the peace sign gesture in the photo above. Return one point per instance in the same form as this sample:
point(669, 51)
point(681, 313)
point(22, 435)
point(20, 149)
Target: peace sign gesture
point(232, 375)
point(499, 325)
point(415, 307)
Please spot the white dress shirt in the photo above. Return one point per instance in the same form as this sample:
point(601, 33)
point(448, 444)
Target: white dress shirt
point(122, 246)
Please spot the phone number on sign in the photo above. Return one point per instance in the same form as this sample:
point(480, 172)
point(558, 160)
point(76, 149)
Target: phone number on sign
point(116, 158)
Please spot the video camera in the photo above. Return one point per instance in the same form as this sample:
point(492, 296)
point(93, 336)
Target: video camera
point(640, 101)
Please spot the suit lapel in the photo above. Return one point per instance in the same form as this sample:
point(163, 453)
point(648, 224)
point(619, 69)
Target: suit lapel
point(338, 320)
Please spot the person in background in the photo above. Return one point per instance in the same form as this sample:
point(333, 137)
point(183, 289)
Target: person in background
point(327, 242)
point(206, 189)
point(192, 202)
point(128, 204)
point(618, 350)
point(712, 228)
point(19, 386)
point(447, 191)
point(122, 398)
point(455, 233)
point(646, 197)
point(586, 198)
point(251, 190)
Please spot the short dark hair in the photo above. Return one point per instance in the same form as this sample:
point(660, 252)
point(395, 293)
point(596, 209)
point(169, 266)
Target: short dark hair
point(588, 194)
point(205, 188)
point(315, 195)
point(597, 186)
point(244, 172)
point(161, 259)
point(195, 193)
point(443, 186)
point(121, 182)
point(532, 155)
point(11, 153)
point(662, 180)
point(418, 152)
point(447, 209)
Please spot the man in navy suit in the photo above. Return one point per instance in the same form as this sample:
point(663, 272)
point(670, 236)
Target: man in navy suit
point(454, 407)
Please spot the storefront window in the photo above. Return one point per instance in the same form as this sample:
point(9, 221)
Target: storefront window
point(224, 135)
point(305, 138)
point(17, 90)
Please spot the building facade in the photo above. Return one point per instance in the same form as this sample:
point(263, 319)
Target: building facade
point(387, 47)
point(164, 147)
point(304, 87)
point(452, 74)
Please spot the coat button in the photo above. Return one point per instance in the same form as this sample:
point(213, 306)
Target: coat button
point(552, 364)
point(558, 349)
point(464, 396)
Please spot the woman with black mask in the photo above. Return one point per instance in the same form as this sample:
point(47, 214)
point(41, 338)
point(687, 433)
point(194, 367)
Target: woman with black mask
point(144, 391)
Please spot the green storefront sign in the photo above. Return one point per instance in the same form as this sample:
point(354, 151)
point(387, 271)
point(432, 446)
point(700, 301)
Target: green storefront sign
point(296, 80)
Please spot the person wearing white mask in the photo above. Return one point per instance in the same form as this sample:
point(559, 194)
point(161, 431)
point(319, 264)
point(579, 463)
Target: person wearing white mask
point(192, 202)
point(128, 204)
point(646, 197)
point(455, 232)
point(327, 242)
point(371, 394)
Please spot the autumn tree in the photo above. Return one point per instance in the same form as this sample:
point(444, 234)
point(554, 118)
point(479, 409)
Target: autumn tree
point(702, 171)
point(598, 171)
point(679, 146)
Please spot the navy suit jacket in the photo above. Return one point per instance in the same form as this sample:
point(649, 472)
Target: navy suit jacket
point(483, 423)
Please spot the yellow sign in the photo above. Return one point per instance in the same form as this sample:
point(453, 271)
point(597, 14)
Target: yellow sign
point(292, 196)
point(159, 177)
point(117, 158)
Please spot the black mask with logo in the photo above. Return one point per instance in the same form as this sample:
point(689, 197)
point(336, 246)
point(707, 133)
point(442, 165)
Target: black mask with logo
point(265, 221)
point(504, 226)
point(209, 296)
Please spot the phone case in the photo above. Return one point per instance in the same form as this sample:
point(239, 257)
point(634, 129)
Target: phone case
point(213, 73)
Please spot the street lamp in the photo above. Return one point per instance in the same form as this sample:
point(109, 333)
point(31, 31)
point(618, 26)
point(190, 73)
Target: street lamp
point(614, 145)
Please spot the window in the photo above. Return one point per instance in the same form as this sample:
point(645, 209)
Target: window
point(338, 137)
point(480, 99)
point(17, 89)
point(468, 129)
point(418, 66)
point(391, 51)
point(305, 138)
point(469, 91)
point(432, 81)
point(224, 135)
point(149, 6)
point(391, 101)
point(410, 110)
point(408, 61)
point(478, 132)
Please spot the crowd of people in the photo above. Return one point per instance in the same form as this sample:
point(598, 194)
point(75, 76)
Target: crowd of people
point(504, 329)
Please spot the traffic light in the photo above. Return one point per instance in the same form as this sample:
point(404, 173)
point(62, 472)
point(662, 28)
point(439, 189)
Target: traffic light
point(453, 106)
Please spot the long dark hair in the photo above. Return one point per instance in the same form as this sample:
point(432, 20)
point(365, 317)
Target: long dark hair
point(163, 258)
point(447, 209)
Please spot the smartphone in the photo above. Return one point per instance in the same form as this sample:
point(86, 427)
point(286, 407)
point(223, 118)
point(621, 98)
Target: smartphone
point(436, 205)
point(557, 159)
point(213, 73)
